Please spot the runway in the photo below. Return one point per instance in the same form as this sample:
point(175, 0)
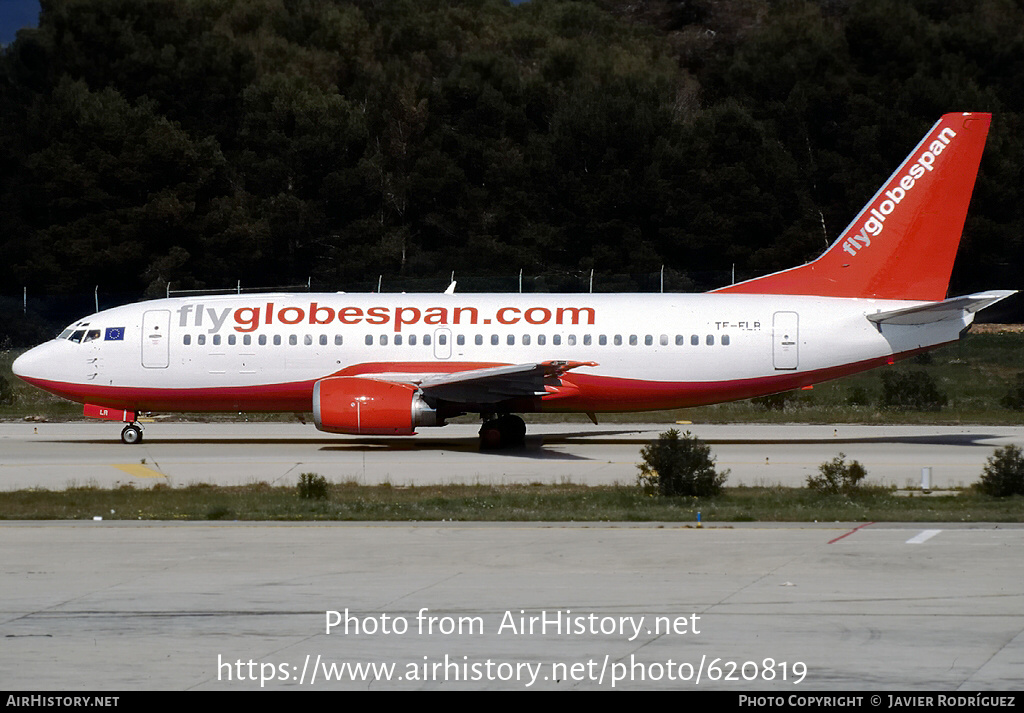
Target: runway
point(236, 606)
point(58, 455)
point(780, 608)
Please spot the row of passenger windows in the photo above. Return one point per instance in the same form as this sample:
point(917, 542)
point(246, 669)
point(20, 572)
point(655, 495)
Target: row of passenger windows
point(460, 339)
point(293, 339)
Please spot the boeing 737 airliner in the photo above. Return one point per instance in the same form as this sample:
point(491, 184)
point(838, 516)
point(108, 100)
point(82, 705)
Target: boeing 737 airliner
point(387, 364)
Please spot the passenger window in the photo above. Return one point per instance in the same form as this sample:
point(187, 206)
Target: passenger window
point(293, 339)
point(323, 340)
point(232, 339)
point(571, 340)
point(586, 340)
point(461, 340)
point(510, 340)
point(247, 339)
point(308, 340)
point(398, 340)
point(648, 340)
point(263, 339)
point(694, 340)
point(412, 340)
point(725, 340)
point(478, 339)
point(426, 340)
point(556, 339)
point(542, 339)
point(710, 340)
point(216, 339)
point(277, 340)
point(603, 340)
point(618, 340)
point(494, 339)
point(187, 339)
point(664, 340)
point(337, 340)
point(369, 340)
point(526, 339)
point(201, 339)
point(680, 340)
point(383, 340)
point(442, 339)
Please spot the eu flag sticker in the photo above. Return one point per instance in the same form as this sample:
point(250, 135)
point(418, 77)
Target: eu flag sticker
point(114, 334)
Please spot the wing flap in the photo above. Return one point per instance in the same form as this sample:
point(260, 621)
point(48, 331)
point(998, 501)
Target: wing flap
point(500, 383)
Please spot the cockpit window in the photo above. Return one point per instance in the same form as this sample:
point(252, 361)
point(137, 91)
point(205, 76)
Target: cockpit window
point(65, 334)
point(77, 336)
point(91, 334)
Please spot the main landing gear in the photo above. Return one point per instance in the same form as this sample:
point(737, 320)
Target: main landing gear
point(131, 434)
point(506, 431)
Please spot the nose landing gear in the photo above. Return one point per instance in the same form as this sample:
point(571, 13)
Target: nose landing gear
point(131, 434)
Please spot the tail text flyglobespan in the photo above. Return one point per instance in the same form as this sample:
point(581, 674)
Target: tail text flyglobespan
point(873, 226)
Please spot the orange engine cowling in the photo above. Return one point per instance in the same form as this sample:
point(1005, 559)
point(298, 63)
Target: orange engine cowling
point(351, 404)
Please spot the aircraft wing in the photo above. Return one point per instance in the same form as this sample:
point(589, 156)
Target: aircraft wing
point(500, 383)
point(953, 308)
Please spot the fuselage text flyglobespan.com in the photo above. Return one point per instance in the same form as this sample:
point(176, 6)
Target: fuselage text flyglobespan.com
point(250, 318)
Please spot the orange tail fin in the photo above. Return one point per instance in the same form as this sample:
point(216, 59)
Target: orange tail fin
point(903, 243)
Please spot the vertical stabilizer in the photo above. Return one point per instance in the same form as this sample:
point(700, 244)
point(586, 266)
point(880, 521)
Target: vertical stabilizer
point(903, 243)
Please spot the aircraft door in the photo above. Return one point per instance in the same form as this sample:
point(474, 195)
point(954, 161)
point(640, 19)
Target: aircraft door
point(156, 338)
point(786, 340)
point(442, 343)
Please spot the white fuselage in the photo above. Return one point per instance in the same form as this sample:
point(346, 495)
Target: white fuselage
point(264, 352)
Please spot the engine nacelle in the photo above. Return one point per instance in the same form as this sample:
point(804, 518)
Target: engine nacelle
point(352, 404)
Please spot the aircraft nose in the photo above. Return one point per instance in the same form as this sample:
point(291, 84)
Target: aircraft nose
point(31, 364)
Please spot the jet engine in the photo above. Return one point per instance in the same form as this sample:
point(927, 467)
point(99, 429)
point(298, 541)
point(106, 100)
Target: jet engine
point(352, 404)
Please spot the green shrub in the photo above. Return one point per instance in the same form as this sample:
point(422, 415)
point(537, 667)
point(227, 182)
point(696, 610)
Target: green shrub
point(679, 465)
point(837, 476)
point(911, 391)
point(858, 396)
point(312, 486)
point(1004, 473)
point(1014, 398)
point(7, 394)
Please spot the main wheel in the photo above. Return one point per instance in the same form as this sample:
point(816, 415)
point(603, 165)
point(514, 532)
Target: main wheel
point(505, 431)
point(513, 430)
point(131, 434)
point(490, 436)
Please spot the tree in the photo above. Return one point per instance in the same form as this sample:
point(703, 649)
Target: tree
point(1004, 473)
point(911, 391)
point(680, 465)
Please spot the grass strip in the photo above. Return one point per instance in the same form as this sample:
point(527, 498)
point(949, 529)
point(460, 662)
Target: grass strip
point(532, 503)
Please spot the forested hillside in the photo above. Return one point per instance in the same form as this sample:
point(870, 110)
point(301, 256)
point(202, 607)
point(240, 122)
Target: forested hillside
point(205, 141)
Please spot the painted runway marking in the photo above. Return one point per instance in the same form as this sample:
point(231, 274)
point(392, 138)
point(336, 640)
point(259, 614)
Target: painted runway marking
point(922, 536)
point(138, 470)
point(850, 532)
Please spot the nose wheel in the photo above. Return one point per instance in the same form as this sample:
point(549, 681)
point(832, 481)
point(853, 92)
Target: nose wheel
point(131, 434)
point(508, 431)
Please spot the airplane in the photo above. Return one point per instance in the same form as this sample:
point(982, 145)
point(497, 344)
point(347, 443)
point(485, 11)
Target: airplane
point(387, 364)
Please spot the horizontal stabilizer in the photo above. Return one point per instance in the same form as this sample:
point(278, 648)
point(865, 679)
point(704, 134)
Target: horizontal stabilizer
point(953, 308)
